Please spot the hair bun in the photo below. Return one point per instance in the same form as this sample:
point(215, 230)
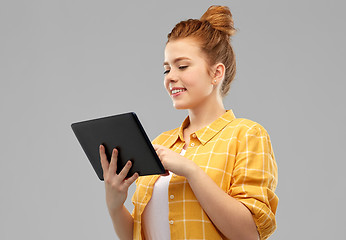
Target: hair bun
point(220, 18)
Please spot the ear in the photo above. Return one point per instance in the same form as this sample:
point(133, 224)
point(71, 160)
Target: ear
point(219, 73)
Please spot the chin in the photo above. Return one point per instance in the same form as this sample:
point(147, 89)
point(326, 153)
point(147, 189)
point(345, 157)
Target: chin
point(180, 106)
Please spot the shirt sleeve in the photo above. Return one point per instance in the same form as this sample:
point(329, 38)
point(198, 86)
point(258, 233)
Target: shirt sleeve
point(133, 200)
point(254, 178)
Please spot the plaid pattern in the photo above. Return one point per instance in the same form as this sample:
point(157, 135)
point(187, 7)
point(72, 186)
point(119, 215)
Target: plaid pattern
point(237, 154)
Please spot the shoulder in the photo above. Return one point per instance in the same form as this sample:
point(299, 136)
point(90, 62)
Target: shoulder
point(244, 126)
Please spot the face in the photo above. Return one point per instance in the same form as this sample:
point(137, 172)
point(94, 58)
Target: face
point(186, 77)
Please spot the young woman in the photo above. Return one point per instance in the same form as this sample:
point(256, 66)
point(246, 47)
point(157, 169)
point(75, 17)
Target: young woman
point(222, 170)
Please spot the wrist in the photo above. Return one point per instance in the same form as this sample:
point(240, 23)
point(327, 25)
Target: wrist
point(113, 212)
point(191, 170)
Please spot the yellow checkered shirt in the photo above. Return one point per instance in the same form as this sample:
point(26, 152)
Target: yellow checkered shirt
point(237, 154)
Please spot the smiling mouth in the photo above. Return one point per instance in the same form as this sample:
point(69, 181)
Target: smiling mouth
point(175, 91)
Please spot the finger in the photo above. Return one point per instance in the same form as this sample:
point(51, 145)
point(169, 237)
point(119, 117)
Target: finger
point(125, 170)
point(103, 157)
point(130, 180)
point(159, 152)
point(156, 147)
point(114, 159)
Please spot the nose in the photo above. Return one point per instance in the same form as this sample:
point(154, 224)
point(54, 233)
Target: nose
point(171, 76)
point(170, 80)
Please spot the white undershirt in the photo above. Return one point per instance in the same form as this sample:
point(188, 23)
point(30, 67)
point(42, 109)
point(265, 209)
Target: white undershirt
point(155, 215)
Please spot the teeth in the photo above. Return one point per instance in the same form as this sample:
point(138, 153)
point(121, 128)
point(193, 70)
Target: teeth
point(177, 90)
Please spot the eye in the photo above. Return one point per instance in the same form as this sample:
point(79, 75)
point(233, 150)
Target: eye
point(180, 67)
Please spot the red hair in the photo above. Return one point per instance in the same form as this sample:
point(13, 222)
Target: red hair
point(212, 31)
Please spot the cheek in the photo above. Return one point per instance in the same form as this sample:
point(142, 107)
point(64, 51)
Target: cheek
point(166, 84)
point(198, 85)
point(191, 81)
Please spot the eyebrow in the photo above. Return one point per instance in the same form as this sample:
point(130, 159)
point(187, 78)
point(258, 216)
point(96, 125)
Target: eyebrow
point(177, 60)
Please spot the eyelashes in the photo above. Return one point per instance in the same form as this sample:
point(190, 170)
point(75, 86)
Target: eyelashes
point(180, 67)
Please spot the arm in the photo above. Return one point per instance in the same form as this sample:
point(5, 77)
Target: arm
point(116, 186)
point(229, 215)
point(122, 223)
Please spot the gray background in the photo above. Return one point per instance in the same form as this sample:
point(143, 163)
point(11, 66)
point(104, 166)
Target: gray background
point(67, 61)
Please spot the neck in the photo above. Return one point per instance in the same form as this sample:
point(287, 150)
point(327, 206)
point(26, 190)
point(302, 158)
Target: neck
point(205, 114)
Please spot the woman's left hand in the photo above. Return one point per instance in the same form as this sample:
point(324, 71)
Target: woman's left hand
point(173, 161)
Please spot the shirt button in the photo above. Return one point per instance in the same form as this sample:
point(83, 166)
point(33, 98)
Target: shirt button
point(171, 222)
point(171, 197)
point(192, 144)
point(194, 135)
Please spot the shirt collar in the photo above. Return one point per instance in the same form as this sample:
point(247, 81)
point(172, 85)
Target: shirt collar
point(206, 133)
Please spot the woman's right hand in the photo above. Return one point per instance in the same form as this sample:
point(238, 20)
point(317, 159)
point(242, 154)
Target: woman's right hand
point(116, 185)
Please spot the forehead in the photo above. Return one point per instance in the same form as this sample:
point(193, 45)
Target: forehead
point(185, 47)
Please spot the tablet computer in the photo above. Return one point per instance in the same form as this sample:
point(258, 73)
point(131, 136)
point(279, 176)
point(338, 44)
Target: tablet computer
point(124, 132)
